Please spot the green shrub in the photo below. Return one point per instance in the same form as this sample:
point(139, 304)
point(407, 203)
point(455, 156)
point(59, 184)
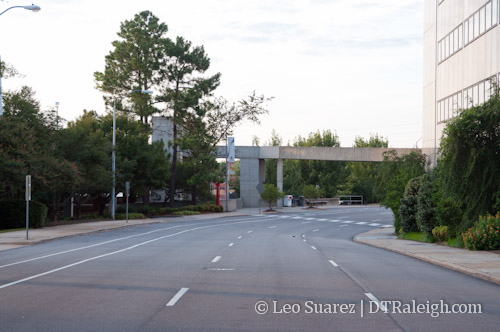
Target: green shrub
point(13, 214)
point(165, 210)
point(484, 235)
point(440, 233)
point(145, 209)
point(449, 213)
point(133, 215)
point(186, 213)
point(408, 208)
point(426, 205)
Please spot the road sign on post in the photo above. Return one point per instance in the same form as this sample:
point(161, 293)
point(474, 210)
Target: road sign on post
point(28, 199)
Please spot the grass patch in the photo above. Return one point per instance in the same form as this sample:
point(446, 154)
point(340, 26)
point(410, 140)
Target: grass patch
point(455, 242)
point(185, 213)
point(12, 230)
point(122, 216)
point(417, 236)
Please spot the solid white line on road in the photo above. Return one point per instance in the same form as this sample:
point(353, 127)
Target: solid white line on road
point(343, 225)
point(374, 299)
point(348, 222)
point(177, 297)
point(105, 242)
point(230, 244)
point(313, 247)
point(117, 252)
point(249, 232)
point(375, 220)
point(386, 226)
point(216, 259)
point(273, 227)
point(316, 230)
point(361, 223)
point(239, 237)
point(333, 263)
point(374, 224)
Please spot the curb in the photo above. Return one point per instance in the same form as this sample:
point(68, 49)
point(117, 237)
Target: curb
point(422, 257)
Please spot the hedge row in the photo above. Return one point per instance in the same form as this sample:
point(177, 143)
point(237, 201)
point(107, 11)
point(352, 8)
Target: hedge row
point(13, 214)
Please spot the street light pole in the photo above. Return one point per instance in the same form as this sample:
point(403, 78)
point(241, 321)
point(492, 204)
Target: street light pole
point(113, 153)
point(33, 8)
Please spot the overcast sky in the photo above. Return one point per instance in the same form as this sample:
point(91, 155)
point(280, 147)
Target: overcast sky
point(351, 66)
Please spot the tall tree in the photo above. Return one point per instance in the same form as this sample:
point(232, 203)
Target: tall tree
point(135, 64)
point(183, 88)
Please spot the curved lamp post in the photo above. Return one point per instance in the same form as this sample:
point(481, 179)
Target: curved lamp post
point(33, 8)
point(113, 153)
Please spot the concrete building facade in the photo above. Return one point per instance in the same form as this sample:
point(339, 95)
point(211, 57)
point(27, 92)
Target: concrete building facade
point(461, 62)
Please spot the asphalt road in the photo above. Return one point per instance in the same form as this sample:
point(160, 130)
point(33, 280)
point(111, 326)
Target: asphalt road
point(214, 275)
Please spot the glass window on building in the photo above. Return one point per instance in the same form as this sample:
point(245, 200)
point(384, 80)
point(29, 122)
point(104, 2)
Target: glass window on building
point(460, 38)
point(445, 113)
point(476, 25)
point(455, 105)
point(471, 28)
point(488, 15)
point(487, 90)
point(494, 12)
point(447, 46)
point(475, 95)
point(466, 32)
point(455, 40)
point(470, 98)
point(482, 20)
point(459, 100)
point(466, 100)
point(481, 93)
point(439, 117)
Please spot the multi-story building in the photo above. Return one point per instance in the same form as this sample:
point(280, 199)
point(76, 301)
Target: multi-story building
point(461, 62)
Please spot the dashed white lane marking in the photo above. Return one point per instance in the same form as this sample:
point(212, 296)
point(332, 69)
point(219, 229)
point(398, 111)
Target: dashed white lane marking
point(305, 222)
point(322, 219)
point(297, 218)
point(284, 217)
point(347, 222)
point(273, 227)
point(310, 218)
point(216, 259)
point(230, 244)
point(374, 224)
point(374, 299)
point(177, 297)
point(386, 226)
point(375, 220)
point(334, 220)
point(313, 247)
point(343, 217)
point(257, 215)
point(249, 232)
point(239, 237)
point(361, 223)
point(304, 240)
point(316, 230)
point(333, 263)
point(343, 225)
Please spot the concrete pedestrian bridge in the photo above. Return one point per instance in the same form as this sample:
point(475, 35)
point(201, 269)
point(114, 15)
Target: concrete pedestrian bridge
point(253, 162)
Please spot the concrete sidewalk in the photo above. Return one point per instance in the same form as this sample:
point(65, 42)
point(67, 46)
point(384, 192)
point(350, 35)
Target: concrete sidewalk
point(479, 264)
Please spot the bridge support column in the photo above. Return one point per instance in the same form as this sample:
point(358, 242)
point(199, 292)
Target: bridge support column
point(279, 180)
point(252, 171)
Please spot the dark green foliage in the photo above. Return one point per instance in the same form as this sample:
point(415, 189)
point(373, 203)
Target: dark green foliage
point(310, 192)
point(393, 176)
point(270, 194)
point(131, 215)
point(440, 233)
point(363, 175)
point(470, 160)
point(146, 210)
point(408, 207)
point(13, 214)
point(426, 205)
